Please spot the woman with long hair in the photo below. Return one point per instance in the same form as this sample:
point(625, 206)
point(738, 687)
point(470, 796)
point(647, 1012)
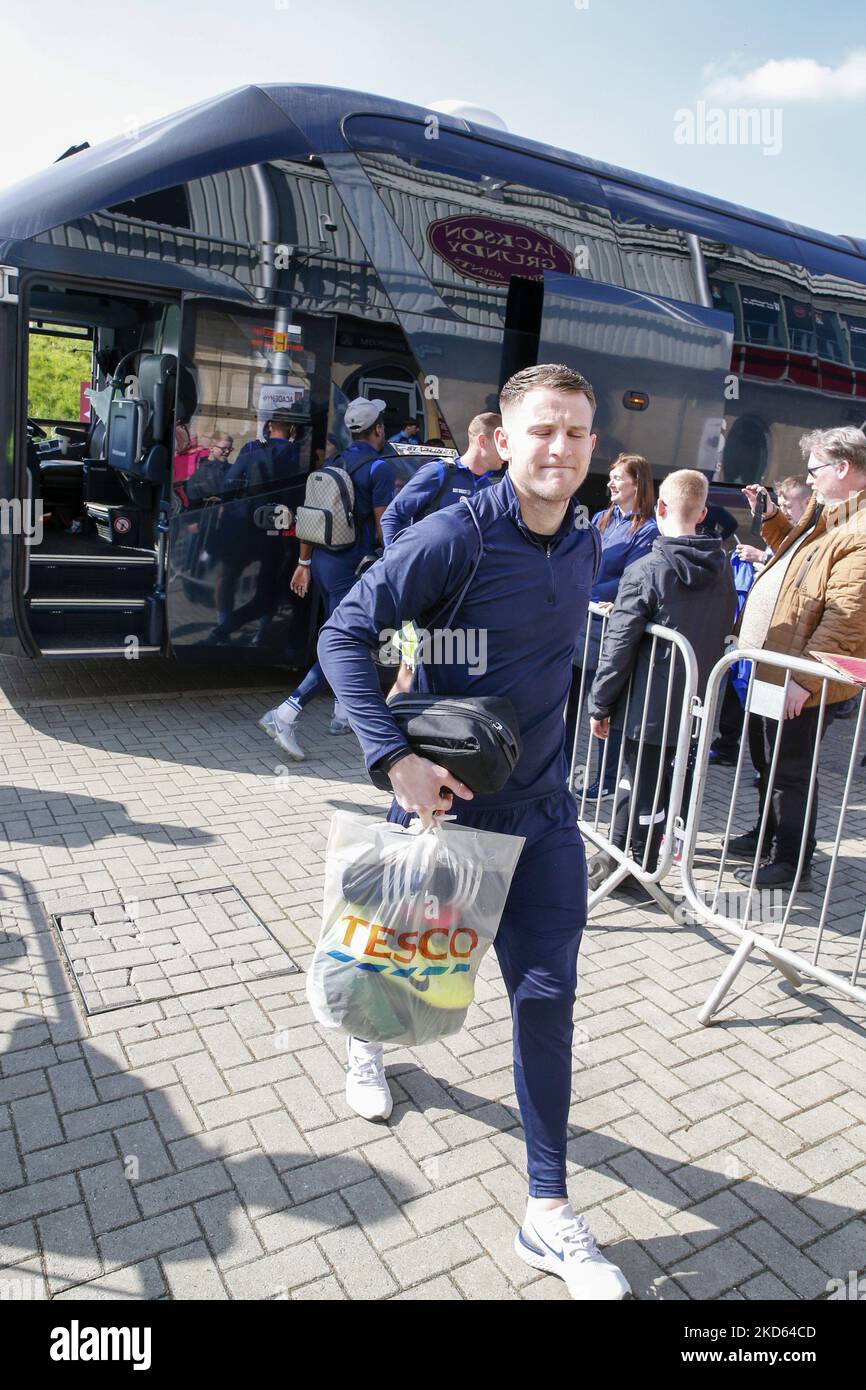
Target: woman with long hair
point(631, 510)
point(627, 529)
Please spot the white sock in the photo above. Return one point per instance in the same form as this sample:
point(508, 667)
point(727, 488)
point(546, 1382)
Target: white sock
point(365, 1050)
point(339, 712)
point(539, 1212)
point(287, 712)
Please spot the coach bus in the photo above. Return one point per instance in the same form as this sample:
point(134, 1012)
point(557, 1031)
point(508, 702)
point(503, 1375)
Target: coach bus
point(272, 253)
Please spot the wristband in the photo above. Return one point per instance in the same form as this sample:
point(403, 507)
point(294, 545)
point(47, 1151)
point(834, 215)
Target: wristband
point(390, 760)
point(306, 563)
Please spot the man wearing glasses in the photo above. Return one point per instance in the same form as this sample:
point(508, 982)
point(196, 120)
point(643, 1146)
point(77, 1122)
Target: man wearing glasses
point(206, 484)
point(810, 597)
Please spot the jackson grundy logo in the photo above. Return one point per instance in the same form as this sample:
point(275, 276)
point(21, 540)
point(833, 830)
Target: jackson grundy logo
point(487, 248)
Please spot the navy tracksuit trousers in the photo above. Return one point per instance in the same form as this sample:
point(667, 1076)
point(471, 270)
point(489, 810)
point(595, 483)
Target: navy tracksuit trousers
point(334, 578)
point(537, 946)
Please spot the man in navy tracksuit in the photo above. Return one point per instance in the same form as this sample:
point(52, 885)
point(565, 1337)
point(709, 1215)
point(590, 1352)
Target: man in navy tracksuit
point(334, 572)
point(279, 452)
point(536, 559)
point(409, 434)
point(441, 483)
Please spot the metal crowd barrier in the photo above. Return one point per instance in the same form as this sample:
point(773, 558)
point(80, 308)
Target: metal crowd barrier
point(813, 930)
point(667, 648)
point(817, 930)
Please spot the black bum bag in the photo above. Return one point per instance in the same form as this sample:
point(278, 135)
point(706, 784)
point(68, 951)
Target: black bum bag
point(475, 739)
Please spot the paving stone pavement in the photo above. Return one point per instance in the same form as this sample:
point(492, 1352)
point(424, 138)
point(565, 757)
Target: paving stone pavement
point(200, 1146)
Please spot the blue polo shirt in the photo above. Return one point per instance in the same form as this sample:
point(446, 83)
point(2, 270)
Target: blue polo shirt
point(435, 482)
point(522, 611)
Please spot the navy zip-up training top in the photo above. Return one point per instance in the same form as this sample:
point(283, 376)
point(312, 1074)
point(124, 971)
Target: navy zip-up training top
point(527, 601)
point(434, 482)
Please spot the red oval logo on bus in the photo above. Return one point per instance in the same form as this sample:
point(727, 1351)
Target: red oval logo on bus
point(486, 248)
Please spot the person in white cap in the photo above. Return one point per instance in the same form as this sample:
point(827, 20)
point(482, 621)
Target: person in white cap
point(335, 572)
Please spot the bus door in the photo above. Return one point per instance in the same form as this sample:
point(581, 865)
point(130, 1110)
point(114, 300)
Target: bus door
point(243, 449)
point(658, 367)
point(14, 491)
point(78, 556)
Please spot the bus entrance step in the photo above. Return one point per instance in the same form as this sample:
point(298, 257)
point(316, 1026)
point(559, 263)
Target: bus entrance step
point(73, 617)
point(93, 647)
point(132, 576)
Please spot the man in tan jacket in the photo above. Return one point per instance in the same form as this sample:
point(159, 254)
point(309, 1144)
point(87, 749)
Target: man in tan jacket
point(810, 597)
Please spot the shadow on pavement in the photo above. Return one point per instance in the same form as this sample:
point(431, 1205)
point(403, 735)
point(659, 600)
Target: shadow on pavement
point(71, 820)
point(87, 1195)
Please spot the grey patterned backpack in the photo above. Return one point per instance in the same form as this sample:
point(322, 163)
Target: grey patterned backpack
point(327, 517)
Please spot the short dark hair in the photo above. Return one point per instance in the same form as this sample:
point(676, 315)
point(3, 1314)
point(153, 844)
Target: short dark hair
point(411, 424)
point(553, 375)
point(365, 434)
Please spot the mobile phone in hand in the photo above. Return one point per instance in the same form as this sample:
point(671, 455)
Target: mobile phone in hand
point(760, 509)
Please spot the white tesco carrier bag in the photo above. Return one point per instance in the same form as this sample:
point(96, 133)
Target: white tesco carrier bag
point(408, 916)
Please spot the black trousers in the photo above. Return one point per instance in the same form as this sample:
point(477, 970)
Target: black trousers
point(790, 793)
point(731, 715)
point(637, 800)
point(641, 792)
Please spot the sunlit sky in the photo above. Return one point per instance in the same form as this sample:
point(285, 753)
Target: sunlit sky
point(605, 78)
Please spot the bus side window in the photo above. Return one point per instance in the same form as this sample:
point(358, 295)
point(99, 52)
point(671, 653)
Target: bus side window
point(762, 317)
point(831, 341)
point(856, 331)
point(801, 327)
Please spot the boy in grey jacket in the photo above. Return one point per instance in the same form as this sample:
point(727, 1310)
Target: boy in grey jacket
point(684, 583)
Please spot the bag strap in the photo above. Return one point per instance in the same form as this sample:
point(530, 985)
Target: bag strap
point(353, 470)
point(346, 490)
point(453, 602)
point(336, 468)
point(448, 467)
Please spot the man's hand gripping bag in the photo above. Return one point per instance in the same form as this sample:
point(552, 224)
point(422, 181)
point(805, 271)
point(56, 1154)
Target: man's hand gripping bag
point(408, 917)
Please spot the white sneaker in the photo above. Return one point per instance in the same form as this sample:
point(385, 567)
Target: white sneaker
point(339, 723)
point(366, 1088)
point(561, 1243)
point(282, 734)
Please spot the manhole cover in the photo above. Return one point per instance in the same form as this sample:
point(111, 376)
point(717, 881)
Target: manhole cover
point(144, 949)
